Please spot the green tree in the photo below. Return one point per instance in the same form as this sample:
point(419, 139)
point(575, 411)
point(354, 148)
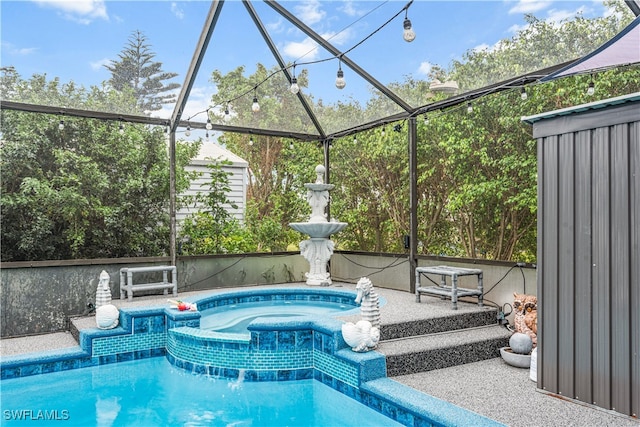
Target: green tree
point(279, 167)
point(212, 229)
point(137, 71)
point(86, 190)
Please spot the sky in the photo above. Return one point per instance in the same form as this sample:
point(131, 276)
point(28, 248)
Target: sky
point(73, 40)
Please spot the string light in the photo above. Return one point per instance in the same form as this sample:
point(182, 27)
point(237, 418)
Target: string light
point(61, 125)
point(121, 129)
point(294, 82)
point(469, 108)
point(255, 107)
point(340, 82)
point(227, 116)
point(409, 35)
point(209, 126)
point(188, 131)
point(355, 139)
point(591, 89)
point(207, 136)
point(383, 131)
point(426, 119)
point(523, 94)
point(250, 140)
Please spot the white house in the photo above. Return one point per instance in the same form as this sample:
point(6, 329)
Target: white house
point(238, 169)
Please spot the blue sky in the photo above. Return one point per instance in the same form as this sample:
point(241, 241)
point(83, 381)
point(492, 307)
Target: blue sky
point(74, 39)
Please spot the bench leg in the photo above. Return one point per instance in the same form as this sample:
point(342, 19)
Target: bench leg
point(454, 291)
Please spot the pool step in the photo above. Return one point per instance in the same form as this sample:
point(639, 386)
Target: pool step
point(421, 353)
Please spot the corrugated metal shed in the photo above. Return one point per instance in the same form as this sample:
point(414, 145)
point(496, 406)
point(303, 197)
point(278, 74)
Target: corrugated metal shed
point(238, 170)
point(589, 253)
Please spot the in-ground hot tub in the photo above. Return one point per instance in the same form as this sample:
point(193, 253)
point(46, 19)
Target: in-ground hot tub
point(234, 314)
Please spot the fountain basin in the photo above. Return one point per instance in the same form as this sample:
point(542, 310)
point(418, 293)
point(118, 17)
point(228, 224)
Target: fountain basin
point(318, 229)
point(319, 186)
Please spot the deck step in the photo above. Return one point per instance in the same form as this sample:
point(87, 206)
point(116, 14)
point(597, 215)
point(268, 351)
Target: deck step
point(442, 350)
point(448, 322)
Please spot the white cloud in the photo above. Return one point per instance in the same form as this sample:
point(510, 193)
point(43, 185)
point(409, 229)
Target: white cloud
point(199, 99)
point(349, 9)
point(310, 12)
point(529, 6)
point(177, 11)
point(557, 15)
point(306, 48)
point(514, 29)
point(482, 47)
point(81, 11)
point(99, 64)
point(275, 27)
point(11, 49)
point(425, 68)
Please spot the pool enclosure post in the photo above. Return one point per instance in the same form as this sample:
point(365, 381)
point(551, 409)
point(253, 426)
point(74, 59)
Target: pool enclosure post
point(413, 201)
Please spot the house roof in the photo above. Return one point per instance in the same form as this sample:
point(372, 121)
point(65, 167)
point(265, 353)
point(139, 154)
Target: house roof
point(210, 151)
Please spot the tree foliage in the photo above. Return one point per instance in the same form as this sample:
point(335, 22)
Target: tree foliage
point(137, 72)
point(86, 190)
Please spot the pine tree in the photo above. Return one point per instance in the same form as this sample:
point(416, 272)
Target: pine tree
point(136, 70)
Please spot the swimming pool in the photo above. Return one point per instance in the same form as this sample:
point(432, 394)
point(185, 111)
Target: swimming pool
point(151, 392)
point(279, 350)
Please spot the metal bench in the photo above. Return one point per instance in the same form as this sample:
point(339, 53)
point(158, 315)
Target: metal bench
point(452, 291)
point(127, 288)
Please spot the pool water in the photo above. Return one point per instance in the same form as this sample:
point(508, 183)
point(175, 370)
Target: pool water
point(152, 392)
point(235, 318)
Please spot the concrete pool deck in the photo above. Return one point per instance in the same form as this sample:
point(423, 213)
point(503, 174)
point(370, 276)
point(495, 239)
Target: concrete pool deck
point(490, 388)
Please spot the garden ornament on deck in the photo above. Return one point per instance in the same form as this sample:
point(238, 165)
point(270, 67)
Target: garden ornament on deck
point(107, 314)
point(525, 319)
point(364, 335)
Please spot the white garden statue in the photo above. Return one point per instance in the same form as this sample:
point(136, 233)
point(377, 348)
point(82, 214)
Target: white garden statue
point(107, 314)
point(364, 335)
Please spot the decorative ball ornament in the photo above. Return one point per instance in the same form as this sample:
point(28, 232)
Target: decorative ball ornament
point(520, 343)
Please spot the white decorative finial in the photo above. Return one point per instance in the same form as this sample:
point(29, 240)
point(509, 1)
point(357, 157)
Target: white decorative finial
point(320, 174)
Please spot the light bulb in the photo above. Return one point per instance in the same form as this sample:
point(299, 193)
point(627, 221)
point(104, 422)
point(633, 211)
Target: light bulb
point(209, 126)
point(188, 131)
point(340, 82)
point(207, 136)
point(61, 125)
point(291, 146)
point(355, 140)
point(227, 116)
point(469, 107)
point(426, 119)
point(383, 132)
point(523, 94)
point(591, 89)
point(250, 140)
point(294, 86)
point(255, 107)
point(409, 35)
point(121, 129)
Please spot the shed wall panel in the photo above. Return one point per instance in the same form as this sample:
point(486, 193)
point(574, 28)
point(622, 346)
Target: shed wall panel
point(582, 264)
point(548, 293)
point(601, 269)
point(566, 255)
point(620, 245)
point(634, 297)
point(589, 257)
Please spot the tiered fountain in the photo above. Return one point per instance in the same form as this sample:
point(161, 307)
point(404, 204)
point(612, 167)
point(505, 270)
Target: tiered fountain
point(319, 248)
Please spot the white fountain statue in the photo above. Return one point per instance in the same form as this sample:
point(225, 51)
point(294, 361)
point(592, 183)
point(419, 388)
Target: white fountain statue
point(319, 248)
